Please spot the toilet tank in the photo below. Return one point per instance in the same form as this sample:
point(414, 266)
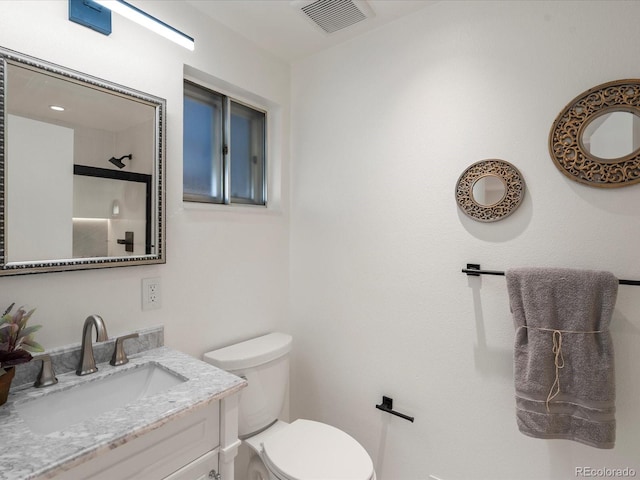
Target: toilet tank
point(264, 363)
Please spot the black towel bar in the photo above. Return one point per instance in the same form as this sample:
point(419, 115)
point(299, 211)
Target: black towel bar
point(387, 406)
point(473, 269)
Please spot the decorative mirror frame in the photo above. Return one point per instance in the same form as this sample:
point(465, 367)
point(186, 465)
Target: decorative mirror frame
point(565, 139)
point(158, 213)
point(511, 200)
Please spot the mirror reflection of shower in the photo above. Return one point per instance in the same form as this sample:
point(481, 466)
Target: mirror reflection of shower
point(118, 161)
point(110, 210)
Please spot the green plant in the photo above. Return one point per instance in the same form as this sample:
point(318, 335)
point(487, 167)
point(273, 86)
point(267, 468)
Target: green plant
point(16, 339)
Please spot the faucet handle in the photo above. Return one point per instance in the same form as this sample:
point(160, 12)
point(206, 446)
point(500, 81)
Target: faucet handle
point(119, 356)
point(47, 376)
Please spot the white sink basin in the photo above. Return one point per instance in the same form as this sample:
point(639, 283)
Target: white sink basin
point(59, 410)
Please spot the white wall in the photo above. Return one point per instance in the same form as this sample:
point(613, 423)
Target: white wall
point(382, 128)
point(227, 268)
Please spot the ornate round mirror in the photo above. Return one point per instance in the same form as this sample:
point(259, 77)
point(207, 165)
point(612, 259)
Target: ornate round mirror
point(490, 190)
point(612, 135)
point(595, 140)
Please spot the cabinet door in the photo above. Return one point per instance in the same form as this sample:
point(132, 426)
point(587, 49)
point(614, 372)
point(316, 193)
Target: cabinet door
point(203, 468)
point(157, 453)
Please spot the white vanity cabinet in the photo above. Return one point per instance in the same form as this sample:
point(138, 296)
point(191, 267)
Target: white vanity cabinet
point(199, 444)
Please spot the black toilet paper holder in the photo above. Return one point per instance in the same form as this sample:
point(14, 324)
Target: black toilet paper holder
point(387, 406)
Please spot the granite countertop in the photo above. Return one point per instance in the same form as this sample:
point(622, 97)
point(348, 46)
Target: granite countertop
point(27, 455)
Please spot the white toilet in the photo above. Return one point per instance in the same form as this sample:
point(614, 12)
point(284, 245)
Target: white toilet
point(301, 450)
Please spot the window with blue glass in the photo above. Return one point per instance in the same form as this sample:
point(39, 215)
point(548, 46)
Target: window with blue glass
point(224, 153)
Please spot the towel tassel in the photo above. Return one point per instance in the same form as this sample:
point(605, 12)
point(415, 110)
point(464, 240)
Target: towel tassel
point(558, 357)
point(559, 363)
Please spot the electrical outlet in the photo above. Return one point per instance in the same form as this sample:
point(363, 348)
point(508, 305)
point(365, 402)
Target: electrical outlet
point(151, 293)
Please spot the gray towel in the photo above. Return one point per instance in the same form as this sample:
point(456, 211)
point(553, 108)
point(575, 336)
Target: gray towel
point(563, 354)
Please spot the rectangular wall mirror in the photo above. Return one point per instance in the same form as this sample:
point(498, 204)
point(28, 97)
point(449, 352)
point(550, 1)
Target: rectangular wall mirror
point(81, 165)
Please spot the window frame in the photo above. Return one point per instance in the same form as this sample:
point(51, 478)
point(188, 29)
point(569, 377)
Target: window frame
point(225, 182)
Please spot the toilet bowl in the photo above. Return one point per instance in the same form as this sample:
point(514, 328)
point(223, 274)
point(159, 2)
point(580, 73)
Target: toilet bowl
point(305, 450)
point(300, 450)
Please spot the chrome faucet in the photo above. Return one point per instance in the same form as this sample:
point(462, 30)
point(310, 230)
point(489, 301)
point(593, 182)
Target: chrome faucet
point(87, 363)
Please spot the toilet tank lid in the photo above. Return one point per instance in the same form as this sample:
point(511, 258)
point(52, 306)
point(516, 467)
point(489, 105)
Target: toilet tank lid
point(250, 353)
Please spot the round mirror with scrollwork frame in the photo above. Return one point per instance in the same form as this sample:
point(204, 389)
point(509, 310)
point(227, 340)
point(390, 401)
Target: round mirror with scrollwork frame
point(569, 144)
point(490, 190)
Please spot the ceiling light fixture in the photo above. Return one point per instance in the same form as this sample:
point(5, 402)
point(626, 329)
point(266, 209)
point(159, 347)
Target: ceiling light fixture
point(152, 23)
point(57, 108)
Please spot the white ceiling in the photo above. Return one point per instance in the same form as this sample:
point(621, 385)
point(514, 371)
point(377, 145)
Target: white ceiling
point(279, 27)
point(33, 91)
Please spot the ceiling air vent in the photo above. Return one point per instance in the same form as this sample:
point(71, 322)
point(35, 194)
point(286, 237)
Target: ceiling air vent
point(334, 15)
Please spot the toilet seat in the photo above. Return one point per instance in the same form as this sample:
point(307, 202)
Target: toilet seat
point(306, 450)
